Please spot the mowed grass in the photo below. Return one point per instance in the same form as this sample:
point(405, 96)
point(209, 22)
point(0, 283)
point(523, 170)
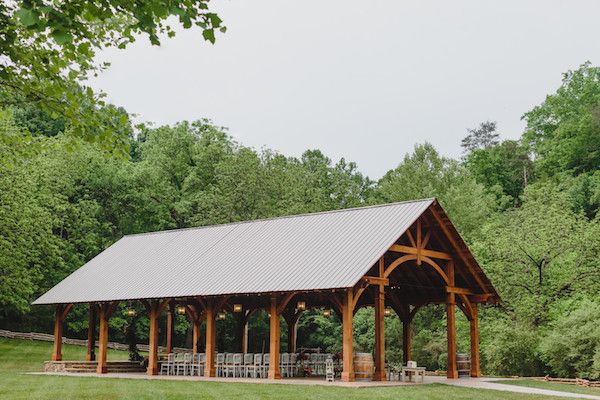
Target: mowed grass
point(18, 357)
point(561, 387)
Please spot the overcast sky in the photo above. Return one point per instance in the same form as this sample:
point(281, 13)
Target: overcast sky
point(361, 80)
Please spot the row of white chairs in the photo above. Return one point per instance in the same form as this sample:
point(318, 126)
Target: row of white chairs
point(183, 364)
point(241, 365)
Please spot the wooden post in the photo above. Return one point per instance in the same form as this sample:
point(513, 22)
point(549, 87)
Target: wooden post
point(211, 333)
point(242, 331)
point(153, 314)
point(59, 317)
point(195, 335)
point(292, 326)
point(406, 342)
point(452, 371)
point(274, 340)
point(245, 337)
point(475, 368)
point(91, 341)
point(170, 328)
point(347, 339)
point(102, 338)
point(379, 374)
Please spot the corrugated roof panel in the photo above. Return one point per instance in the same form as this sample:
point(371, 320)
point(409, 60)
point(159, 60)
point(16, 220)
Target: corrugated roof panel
point(306, 252)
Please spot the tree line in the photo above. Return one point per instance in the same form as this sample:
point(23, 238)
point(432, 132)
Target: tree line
point(528, 208)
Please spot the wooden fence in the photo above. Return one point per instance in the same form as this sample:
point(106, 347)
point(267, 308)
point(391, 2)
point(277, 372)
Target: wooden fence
point(569, 381)
point(80, 342)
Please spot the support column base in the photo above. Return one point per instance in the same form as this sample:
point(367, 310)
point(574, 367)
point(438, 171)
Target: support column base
point(274, 375)
point(452, 374)
point(101, 370)
point(379, 376)
point(210, 373)
point(348, 377)
point(152, 371)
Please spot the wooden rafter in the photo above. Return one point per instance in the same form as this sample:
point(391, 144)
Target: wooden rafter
point(457, 248)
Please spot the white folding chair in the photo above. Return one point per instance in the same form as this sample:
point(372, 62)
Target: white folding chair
point(183, 364)
point(255, 369)
point(284, 363)
point(329, 370)
point(167, 367)
point(228, 366)
point(220, 363)
point(265, 366)
point(201, 363)
point(293, 368)
point(248, 361)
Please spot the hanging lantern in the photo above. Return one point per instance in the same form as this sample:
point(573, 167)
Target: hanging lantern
point(387, 312)
point(237, 308)
point(301, 306)
point(181, 310)
point(131, 312)
point(221, 316)
point(326, 312)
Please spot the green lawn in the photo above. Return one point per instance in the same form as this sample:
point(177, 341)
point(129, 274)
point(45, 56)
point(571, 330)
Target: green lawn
point(561, 387)
point(18, 356)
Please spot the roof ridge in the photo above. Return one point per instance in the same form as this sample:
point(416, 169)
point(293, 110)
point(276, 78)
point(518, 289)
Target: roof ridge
point(284, 217)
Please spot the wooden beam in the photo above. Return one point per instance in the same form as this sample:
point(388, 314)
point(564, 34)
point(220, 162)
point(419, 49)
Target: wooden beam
point(410, 237)
point(153, 315)
point(474, 332)
point(457, 290)
point(103, 316)
point(375, 280)
point(211, 333)
point(456, 247)
point(59, 317)
point(419, 246)
point(379, 374)
point(91, 340)
point(480, 298)
point(451, 370)
point(170, 328)
point(406, 342)
point(347, 339)
point(398, 248)
point(274, 339)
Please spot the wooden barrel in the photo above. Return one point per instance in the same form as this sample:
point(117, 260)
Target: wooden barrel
point(463, 364)
point(363, 366)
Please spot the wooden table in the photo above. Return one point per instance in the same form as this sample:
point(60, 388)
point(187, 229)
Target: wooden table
point(410, 372)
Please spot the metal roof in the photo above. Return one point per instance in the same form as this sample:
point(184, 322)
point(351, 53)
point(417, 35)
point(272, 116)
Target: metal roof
point(326, 250)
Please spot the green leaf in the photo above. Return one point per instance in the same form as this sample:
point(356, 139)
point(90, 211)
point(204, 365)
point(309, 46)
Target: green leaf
point(61, 37)
point(28, 17)
point(215, 20)
point(209, 34)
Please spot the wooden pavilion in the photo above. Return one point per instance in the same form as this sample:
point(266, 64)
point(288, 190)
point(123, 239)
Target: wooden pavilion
point(402, 255)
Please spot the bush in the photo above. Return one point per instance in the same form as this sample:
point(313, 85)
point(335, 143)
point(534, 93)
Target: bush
point(572, 345)
point(511, 349)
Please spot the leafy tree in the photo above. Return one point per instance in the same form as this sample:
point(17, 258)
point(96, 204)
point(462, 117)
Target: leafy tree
point(49, 50)
point(539, 253)
point(504, 168)
point(564, 131)
point(425, 173)
point(482, 137)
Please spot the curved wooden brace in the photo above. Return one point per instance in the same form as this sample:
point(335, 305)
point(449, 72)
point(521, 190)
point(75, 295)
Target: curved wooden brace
point(409, 257)
point(413, 312)
point(356, 295)
point(468, 309)
point(284, 302)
